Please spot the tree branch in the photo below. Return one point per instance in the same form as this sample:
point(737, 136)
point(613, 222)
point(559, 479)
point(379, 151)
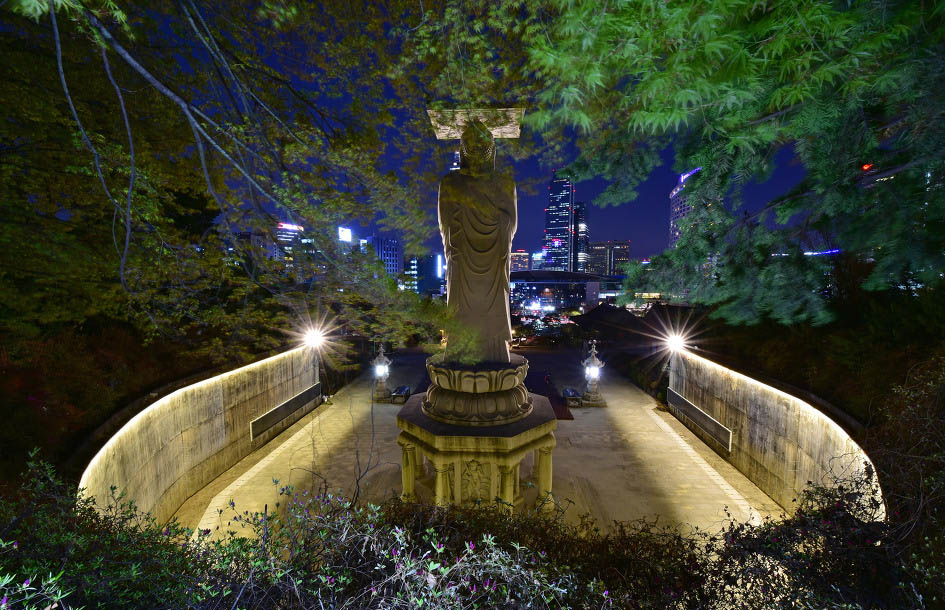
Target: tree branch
point(188, 110)
point(131, 180)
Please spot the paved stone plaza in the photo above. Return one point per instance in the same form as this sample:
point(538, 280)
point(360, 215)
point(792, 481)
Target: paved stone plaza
point(626, 461)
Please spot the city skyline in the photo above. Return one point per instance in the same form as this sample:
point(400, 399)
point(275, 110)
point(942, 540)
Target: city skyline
point(645, 221)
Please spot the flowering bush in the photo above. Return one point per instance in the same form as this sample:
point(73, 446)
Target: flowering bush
point(320, 551)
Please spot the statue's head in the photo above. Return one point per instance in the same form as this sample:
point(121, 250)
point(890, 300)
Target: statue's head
point(477, 148)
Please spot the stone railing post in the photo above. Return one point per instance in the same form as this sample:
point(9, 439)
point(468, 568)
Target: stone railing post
point(408, 472)
point(442, 484)
point(544, 479)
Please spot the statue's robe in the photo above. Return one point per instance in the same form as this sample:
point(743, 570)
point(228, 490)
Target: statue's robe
point(478, 218)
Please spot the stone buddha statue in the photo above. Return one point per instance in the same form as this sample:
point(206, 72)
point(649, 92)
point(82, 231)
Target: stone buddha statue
point(478, 218)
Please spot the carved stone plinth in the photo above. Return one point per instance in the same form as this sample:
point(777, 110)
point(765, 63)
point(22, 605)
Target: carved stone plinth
point(480, 464)
point(593, 399)
point(381, 391)
point(477, 395)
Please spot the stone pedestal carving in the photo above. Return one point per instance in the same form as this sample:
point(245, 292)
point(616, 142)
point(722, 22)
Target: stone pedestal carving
point(477, 464)
point(477, 395)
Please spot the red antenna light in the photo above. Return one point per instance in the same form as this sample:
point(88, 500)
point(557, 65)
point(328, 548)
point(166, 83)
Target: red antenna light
point(867, 166)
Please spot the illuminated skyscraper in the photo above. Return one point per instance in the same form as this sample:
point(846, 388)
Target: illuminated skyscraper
point(608, 257)
point(678, 207)
point(411, 271)
point(580, 239)
point(426, 275)
point(288, 240)
point(389, 251)
point(598, 255)
point(619, 256)
point(558, 224)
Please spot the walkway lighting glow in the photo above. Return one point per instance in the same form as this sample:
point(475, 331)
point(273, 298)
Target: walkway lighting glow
point(592, 372)
point(313, 338)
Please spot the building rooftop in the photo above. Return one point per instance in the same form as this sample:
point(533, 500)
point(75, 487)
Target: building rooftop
point(559, 277)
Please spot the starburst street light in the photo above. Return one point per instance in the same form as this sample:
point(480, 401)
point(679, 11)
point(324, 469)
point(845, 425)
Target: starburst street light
point(676, 342)
point(313, 338)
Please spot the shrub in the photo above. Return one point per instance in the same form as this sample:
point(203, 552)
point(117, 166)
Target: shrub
point(320, 551)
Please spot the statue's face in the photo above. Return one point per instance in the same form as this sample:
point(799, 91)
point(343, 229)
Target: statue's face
point(477, 147)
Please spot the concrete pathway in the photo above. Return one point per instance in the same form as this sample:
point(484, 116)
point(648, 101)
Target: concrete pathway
point(627, 461)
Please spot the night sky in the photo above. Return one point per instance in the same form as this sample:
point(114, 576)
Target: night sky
point(644, 221)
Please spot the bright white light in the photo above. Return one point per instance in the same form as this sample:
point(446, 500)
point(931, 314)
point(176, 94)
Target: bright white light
point(439, 266)
point(592, 372)
point(313, 338)
point(676, 343)
point(381, 370)
point(344, 234)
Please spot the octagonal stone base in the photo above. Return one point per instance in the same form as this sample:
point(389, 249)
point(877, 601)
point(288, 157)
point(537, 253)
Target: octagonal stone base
point(480, 463)
point(593, 399)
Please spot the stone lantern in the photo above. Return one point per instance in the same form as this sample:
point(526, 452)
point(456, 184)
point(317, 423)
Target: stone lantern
point(381, 366)
point(592, 368)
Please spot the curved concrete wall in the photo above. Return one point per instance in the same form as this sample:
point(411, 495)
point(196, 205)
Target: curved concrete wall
point(778, 441)
point(180, 443)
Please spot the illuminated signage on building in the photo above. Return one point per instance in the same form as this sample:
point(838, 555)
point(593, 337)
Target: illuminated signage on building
point(687, 175)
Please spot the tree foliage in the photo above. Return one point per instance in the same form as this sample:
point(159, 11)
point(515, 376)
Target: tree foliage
point(317, 116)
point(732, 82)
point(165, 136)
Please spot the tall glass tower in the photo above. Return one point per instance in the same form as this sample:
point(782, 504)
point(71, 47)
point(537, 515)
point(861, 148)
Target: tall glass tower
point(558, 224)
point(580, 239)
point(678, 207)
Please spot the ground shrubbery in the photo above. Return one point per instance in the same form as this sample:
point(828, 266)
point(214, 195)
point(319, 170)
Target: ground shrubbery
point(320, 552)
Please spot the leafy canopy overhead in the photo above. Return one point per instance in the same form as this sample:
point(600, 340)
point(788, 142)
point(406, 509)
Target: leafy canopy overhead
point(236, 115)
point(731, 82)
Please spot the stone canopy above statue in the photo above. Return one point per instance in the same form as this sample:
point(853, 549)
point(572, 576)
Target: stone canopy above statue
point(502, 122)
